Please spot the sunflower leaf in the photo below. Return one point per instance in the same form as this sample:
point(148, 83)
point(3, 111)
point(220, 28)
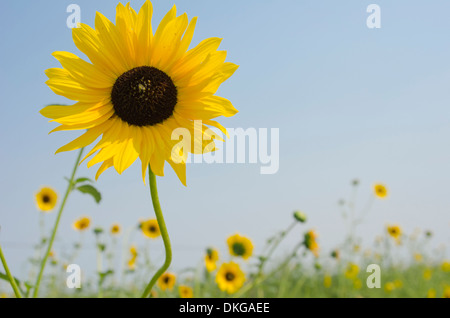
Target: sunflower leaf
point(80, 180)
point(88, 189)
point(5, 277)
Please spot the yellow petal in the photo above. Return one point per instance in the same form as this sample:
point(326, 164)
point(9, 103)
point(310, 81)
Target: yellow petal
point(144, 33)
point(87, 138)
point(113, 46)
point(167, 44)
point(105, 165)
point(193, 58)
point(57, 111)
point(85, 125)
point(87, 41)
point(62, 83)
point(180, 170)
point(83, 71)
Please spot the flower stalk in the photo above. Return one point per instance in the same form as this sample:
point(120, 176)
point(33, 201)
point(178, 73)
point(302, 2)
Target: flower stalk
point(164, 233)
point(12, 281)
point(55, 227)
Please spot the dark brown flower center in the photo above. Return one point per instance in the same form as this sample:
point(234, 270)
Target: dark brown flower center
point(144, 96)
point(229, 276)
point(152, 228)
point(45, 198)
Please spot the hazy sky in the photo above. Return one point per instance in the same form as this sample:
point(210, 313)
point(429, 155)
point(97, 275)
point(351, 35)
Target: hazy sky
point(349, 102)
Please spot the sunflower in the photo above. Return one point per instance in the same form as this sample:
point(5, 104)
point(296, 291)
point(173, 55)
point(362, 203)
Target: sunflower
point(166, 281)
point(389, 287)
point(352, 271)
point(115, 229)
point(132, 261)
point(82, 224)
point(211, 258)
point(431, 293)
point(394, 231)
point(230, 277)
point(380, 190)
point(139, 87)
point(46, 199)
point(185, 291)
point(310, 241)
point(240, 246)
point(150, 228)
point(427, 273)
point(418, 257)
point(327, 281)
point(446, 292)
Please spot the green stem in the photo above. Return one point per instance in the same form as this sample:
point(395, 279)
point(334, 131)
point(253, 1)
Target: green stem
point(259, 280)
point(164, 233)
point(281, 236)
point(52, 238)
point(12, 281)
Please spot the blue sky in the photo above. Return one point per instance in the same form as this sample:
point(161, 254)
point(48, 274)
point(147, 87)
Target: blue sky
point(350, 102)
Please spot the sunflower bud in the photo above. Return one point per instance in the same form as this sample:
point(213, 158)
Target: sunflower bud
point(300, 216)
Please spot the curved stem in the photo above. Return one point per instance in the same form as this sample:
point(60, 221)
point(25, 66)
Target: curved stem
point(164, 233)
point(12, 281)
point(55, 227)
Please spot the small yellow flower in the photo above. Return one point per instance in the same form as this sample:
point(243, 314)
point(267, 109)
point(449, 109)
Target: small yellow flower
point(311, 242)
point(82, 224)
point(115, 229)
point(230, 277)
point(418, 257)
point(211, 258)
point(445, 266)
point(427, 274)
point(166, 281)
point(357, 284)
point(327, 280)
point(389, 287)
point(431, 293)
point(394, 231)
point(153, 294)
point(240, 246)
point(51, 254)
point(380, 191)
point(352, 271)
point(356, 248)
point(3, 295)
point(46, 199)
point(446, 292)
point(185, 291)
point(150, 228)
point(132, 261)
point(398, 283)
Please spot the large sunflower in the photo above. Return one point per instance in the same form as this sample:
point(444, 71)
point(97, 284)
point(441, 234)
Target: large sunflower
point(139, 87)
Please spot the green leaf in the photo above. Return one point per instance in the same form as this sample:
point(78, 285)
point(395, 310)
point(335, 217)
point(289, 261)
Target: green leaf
point(103, 275)
point(80, 180)
point(88, 189)
point(5, 277)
